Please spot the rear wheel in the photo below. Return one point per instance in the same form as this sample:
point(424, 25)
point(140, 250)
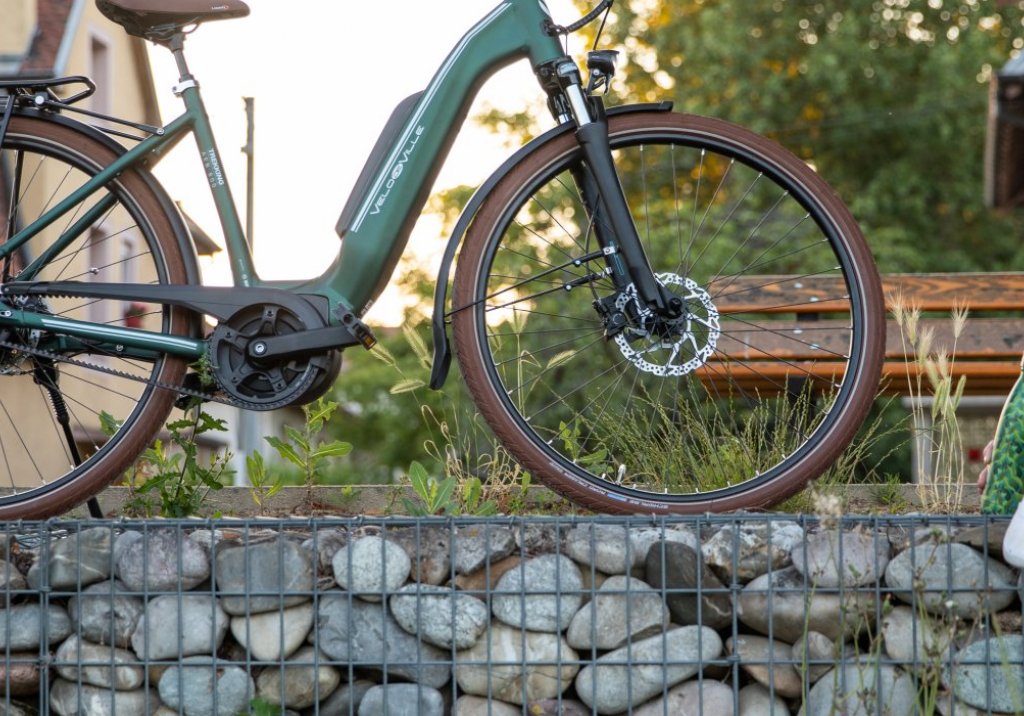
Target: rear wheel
point(737, 402)
point(66, 429)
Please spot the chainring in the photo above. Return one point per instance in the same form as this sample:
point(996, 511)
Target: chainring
point(267, 386)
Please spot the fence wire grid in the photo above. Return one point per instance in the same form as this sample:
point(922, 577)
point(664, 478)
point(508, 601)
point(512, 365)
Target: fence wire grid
point(719, 614)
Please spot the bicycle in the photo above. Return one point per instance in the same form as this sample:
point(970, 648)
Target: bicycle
point(622, 283)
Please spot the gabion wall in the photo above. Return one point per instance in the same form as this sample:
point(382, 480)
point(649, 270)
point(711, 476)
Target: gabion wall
point(747, 614)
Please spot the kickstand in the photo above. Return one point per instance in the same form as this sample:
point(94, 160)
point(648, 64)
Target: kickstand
point(94, 508)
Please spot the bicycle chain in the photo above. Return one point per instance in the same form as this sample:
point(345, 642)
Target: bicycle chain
point(180, 389)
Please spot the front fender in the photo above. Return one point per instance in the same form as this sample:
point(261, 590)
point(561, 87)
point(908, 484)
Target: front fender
point(442, 349)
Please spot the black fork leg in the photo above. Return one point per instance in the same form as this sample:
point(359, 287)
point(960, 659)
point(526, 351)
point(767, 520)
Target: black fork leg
point(45, 374)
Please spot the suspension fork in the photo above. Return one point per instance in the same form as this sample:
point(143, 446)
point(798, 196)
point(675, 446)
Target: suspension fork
point(601, 191)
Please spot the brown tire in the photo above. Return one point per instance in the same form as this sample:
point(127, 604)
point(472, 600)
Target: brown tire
point(737, 403)
point(133, 240)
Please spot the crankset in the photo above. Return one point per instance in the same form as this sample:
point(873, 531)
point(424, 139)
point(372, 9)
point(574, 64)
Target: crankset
point(257, 379)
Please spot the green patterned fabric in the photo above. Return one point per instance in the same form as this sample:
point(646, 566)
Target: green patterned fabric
point(1006, 476)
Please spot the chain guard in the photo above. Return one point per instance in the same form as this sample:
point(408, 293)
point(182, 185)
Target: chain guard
point(255, 385)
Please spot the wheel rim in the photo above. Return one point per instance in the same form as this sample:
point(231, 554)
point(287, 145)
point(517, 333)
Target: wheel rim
point(672, 414)
point(104, 412)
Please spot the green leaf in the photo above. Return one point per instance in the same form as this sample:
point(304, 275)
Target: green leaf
point(419, 480)
point(286, 451)
point(335, 449)
point(443, 497)
point(297, 438)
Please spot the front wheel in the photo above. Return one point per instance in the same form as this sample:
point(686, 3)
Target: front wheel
point(735, 403)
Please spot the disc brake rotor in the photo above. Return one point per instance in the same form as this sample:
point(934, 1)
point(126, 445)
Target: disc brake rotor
point(670, 347)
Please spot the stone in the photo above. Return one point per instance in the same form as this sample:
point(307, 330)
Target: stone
point(814, 655)
point(76, 560)
point(949, 706)
point(160, 560)
point(199, 687)
point(11, 580)
point(756, 700)
point(557, 707)
point(16, 708)
point(950, 578)
point(365, 634)
point(324, 544)
point(401, 699)
point(70, 699)
point(273, 636)
point(21, 627)
point(693, 698)
point(304, 681)
point(781, 601)
point(20, 674)
point(862, 688)
point(264, 576)
point(833, 557)
point(516, 666)
point(439, 615)
point(480, 545)
point(986, 538)
point(102, 614)
point(617, 549)
point(623, 609)
point(543, 594)
point(989, 668)
point(533, 539)
point(628, 676)
point(343, 701)
point(677, 569)
point(744, 551)
point(911, 640)
point(429, 551)
point(486, 579)
point(470, 705)
point(166, 632)
point(371, 568)
point(107, 666)
point(769, 662)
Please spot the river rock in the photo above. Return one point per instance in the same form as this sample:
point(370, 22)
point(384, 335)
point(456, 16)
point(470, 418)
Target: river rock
point(814, 655)
point(77, 560)
point(440, 616)
point(479, 545)
point(70, 699)
point(106, 666)
point(530, 672)
point(953, 578)
point(11, 580)
point(617, 549)
point(160, 560)
point(990, 668)
point(272, 636)
point(470, 705)
point(21, 627)
point(746, 551)
point(756, 700)
point(365, 633)
point(833, 557)
point(198, 687)
point(20, 674)
point(692, 591)
point(251, 576)
point(429, 550)
point(769, 662)
point(399, 699)
point(623, 609)
point(860, 688)
point(557, 707)
point(102, 614)
point(487, 579)
point(552, 586)
point(343, 701)
point(635, 673)
point(693, 698)
point(165, 631)
point(303, 681)
point(910, 640)
point(371, 567)
point(782, 600)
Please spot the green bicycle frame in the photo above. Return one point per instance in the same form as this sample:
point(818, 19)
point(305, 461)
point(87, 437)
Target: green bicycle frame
point(387, 208)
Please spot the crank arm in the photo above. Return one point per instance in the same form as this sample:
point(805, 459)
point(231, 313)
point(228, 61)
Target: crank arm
point(275, 349)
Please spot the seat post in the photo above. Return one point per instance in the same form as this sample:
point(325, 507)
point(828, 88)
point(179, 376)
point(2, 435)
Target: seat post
point(176, 44)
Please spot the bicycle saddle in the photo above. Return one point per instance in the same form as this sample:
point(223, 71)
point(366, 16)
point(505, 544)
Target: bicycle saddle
point(159, 19)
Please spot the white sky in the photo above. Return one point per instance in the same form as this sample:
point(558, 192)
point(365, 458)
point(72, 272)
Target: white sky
point(325, 76)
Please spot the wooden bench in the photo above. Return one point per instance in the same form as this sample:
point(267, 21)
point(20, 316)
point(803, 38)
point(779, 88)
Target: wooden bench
point(988, 351)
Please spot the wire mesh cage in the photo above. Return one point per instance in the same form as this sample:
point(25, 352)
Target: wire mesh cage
point(708, 615)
